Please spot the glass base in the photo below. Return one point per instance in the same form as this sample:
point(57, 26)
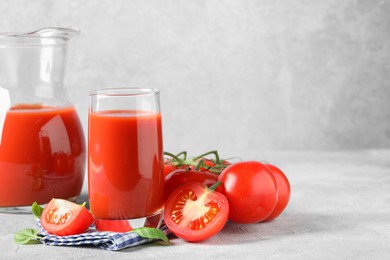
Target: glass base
point(125, 225)
point(25, 209)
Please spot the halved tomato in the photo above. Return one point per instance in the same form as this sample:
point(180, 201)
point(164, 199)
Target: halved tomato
point(194, 213)
point(61, 217)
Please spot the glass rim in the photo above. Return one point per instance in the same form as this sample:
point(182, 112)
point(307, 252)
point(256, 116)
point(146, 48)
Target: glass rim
point(47, 36)
point(124, 92)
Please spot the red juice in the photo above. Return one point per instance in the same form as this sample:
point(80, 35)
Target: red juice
point(42, 155)
point(125, 164)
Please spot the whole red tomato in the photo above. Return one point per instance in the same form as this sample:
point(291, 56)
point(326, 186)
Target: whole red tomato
point(181, 176)
point(194, 213)
point(61, 217)
point(251, 191)
point(284, 191)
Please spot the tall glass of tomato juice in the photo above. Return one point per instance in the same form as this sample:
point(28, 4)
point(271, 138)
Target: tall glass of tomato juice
point(125, 156)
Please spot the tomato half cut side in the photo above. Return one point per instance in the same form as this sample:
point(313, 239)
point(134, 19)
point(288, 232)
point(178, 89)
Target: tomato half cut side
point(61, 217)
point(194, 213)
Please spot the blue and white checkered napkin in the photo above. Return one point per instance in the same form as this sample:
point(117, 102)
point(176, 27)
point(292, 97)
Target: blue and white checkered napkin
point(105, 240)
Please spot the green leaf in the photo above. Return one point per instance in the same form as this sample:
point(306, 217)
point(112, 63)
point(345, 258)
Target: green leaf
point(27, 236)
point(36, 209)
point(153, 233)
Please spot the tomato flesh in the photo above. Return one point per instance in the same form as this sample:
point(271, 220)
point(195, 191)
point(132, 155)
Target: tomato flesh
point(195, 213)
point(61, 217)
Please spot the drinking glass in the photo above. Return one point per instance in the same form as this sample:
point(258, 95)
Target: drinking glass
point(125, 156)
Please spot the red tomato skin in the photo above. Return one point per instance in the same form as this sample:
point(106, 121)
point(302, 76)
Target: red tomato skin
point(251, 191)
point(168, 168)
point(181, 176)
point(80, 218)
point(284, 191)
point(214, 225)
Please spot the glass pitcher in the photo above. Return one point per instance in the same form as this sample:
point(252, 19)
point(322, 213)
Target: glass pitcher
point(42, 146)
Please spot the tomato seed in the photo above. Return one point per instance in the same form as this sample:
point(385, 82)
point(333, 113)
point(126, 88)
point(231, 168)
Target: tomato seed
point(56, 216)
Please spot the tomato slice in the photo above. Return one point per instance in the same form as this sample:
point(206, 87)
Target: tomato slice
point(194, 213)
point(61, 217)
point(113, 225)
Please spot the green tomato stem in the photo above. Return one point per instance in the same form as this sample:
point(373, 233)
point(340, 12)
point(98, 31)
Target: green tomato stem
point(184, 153)
point(215, 185)
point(215, 152)
point(171, 155)
point(197, 167)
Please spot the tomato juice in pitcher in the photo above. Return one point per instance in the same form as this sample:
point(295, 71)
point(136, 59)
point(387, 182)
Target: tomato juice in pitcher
point(42, 146)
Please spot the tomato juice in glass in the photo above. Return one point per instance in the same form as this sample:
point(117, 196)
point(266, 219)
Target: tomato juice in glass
point(42, 155)
point(125, 154)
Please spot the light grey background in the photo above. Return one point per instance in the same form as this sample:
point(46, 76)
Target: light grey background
point(243, 77)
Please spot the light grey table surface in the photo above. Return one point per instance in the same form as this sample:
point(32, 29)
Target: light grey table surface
point(339, 209)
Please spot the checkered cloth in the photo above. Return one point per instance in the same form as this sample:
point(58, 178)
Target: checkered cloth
point(105, 240)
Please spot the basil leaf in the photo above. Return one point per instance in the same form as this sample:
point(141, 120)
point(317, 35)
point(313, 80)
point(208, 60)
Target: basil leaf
point(154, 233)
point(36, 209)
point(27, 236)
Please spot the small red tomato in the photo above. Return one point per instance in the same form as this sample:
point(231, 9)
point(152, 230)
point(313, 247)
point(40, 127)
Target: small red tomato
point(194, 213)
point(284, 191)
point(61, 217)
point(251, 191)
point(182, 176)
point(113, 225)
point(170, 167)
